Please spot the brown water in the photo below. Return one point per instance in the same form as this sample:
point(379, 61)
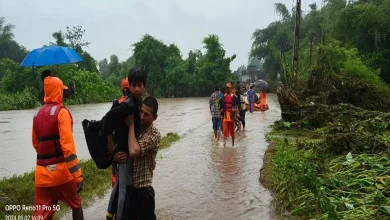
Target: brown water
point(196, 178)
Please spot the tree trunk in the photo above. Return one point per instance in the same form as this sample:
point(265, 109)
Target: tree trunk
point(311, 47)
point(296, 43)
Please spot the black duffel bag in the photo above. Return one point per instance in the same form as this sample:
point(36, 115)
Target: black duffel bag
point(97, 143)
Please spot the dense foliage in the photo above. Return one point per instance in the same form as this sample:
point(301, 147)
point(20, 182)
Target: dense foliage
point(169, 74)
point(333, 136)
point(360, 26)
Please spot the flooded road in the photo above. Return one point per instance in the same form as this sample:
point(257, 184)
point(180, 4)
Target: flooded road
point(196, 178)
point(18, 156)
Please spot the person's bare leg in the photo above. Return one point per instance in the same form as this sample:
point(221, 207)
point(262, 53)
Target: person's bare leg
point(215, 134)
point(233, 140)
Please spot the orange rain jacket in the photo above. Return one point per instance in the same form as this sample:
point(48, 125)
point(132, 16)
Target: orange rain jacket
point(263, 99)
point(70, 169)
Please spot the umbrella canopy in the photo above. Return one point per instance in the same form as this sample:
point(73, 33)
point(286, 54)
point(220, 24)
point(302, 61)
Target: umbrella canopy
point(51, 55)
point(261, 85)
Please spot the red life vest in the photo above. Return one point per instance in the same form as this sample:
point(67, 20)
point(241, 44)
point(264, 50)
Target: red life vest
point(228, 99)
point(45, 125)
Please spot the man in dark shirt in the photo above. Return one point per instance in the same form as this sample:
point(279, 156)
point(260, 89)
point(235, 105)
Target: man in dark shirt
point(67, 92)
point(114, 120)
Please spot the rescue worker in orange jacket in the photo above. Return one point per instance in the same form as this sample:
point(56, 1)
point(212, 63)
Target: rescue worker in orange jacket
point(263, 101)
point(68, 91)
point(228, 123)
point(58, 175)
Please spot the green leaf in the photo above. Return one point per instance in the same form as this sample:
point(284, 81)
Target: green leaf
point(364, 158)
point(385, 210)
point(349, 157)
point(349, 206)
point(379, 186)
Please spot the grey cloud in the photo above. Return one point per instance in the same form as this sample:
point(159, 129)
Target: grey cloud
point(112, 26)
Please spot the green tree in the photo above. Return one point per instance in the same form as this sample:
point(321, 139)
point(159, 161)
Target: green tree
point(89, 63)
point(151, 54)
point(174, 75)
point(73, 37)
point(103, 68)
point(355, 24)
point(170, 75)
point(114, 65)
point(126, 66)
point(364, 25)
point(215, 66)
point(190, 79)
point(272, 44)
point(59, 39)
point(9, 48)
point(15, 79)
point(114, 71)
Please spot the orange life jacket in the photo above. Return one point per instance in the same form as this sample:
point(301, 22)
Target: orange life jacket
point(263, 99)
point(45, 124)
point(122, 99)
point(228, 100)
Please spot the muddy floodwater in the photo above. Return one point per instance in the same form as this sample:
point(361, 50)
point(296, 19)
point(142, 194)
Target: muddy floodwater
point(196, 178)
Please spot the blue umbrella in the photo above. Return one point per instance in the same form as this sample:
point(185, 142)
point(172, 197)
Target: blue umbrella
point(51, 55)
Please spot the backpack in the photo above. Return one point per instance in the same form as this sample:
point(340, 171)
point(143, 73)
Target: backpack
point(96, 141)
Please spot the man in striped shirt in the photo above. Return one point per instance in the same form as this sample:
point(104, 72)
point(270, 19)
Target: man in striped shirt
point(216, 102)
point(143, 148)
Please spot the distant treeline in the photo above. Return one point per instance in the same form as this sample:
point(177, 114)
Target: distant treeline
point(169, 75)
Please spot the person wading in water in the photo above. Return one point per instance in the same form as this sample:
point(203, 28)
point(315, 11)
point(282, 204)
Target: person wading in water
point(228, 123)
point(215, 103)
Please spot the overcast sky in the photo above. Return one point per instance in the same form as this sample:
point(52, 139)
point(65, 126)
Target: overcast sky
point(113, 25)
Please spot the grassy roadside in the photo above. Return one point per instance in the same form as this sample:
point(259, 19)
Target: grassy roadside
point(19, 190)
point(310, 182)
point(167, 140)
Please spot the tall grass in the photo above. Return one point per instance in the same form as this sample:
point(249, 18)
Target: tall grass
point(309, 185)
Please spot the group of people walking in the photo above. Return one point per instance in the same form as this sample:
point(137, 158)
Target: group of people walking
point(228, 109)
point(132, 143)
